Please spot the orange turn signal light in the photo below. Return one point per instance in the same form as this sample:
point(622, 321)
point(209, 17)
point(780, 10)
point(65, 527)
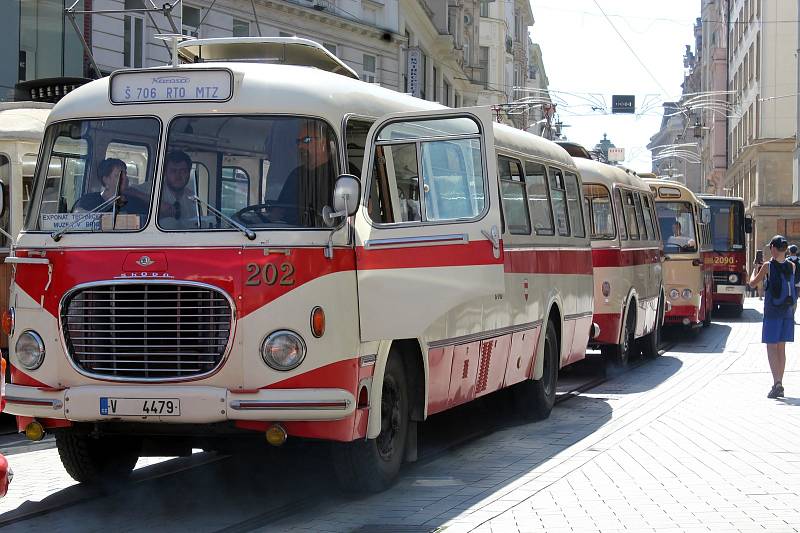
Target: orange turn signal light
point(317, 322)
point(8, 321)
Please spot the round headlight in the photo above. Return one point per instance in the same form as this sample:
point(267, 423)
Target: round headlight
point(30, 350)
point(733, 278)
point(673, 293)
point(687, 293)
point(283, 350)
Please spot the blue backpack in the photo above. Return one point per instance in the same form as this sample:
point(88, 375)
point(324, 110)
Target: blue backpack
point(780, 285)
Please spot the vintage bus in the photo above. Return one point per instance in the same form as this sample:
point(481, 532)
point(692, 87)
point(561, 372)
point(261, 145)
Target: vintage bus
point(729, 260)
point(21, 130)
point(685, 230)
point(629, 298)
point(242, 282)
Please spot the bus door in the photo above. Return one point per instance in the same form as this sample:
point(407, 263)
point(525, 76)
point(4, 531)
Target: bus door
point(428, 233)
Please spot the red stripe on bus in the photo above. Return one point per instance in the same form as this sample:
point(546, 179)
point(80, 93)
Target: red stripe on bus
point(548, 262)
point(476, 253)
point(615, 257)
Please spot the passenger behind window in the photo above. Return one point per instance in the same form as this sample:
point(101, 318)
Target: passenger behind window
point(114, 181)
point(177, 209)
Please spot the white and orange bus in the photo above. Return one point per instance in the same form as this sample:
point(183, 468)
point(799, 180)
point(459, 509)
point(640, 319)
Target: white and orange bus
point(688, 277)
point(231, 278)
point(729, 225)
point(629, 298)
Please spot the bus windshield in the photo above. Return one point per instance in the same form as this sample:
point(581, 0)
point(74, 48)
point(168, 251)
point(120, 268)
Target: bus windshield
point(727, 225)
point(676, 220)
point(96, 175)
point(262, 171)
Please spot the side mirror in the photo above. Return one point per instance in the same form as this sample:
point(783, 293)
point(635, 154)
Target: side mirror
point(705, 215)
point(748, 225)
point(2, 198)
point(346, 196)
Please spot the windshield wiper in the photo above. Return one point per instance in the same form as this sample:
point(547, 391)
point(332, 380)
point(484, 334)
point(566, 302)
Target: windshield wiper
point(250, 234)
point(56, 235)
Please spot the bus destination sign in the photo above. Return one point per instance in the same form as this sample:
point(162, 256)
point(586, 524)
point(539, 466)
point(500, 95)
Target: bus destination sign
point(170, 86)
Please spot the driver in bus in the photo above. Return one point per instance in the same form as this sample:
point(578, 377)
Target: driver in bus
point(310, 180)
point(678, 238)
point(177, 209)
point(114, 180)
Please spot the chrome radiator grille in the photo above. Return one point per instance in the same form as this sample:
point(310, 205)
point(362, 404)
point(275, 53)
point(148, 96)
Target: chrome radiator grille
point(147, 331)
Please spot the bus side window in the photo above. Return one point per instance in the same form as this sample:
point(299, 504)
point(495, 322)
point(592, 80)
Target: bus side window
point(452, 174)
point(649, 218)
point(355, 138)
point(28, 170)
point(574, 203)
point(538, 198)
point(5, 177)
point(600, 212)
point(630, 215)
point(646, 234)
point(394, 192)
point(515, 202)
point(620, 210)
point(558, 195)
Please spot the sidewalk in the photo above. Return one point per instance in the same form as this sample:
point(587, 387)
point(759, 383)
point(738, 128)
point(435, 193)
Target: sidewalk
point(687, 443)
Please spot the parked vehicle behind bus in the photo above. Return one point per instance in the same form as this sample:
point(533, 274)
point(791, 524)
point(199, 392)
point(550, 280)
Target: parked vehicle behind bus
point(21, 130)
point(235, 280)
point(686, 234)
point(729, 260)
point(626, 254)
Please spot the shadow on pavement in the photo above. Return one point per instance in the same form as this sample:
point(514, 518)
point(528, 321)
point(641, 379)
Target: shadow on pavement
point(711, 339)
point(790, 401)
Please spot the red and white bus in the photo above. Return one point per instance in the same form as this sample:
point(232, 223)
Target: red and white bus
point(729, 260)
point(626, 253)
point(209, 269)
point(685, 231)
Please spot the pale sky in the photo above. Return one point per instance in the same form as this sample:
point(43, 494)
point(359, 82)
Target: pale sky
point(584, 56)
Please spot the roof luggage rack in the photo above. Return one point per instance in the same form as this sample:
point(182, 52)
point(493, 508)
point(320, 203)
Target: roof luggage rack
point(275, 50)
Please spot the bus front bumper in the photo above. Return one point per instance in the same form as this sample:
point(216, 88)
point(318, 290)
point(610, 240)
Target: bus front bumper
point(184, 404)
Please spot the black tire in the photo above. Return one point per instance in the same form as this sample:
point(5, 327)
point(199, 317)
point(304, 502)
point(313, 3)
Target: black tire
point(370, 466)
point(620, 354)
point(737, 310)
point(534, 399)
point(707, 319)
point(648, 344)
point(100, 460)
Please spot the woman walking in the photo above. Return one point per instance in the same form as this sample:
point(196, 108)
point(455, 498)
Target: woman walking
point(779, 298)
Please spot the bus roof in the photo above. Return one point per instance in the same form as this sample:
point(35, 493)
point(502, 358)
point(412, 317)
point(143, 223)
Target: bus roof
point(23, 121)
point(672, 190)
point(273, 50)
point(289, 89)
point(608, 175)
point(720, 197)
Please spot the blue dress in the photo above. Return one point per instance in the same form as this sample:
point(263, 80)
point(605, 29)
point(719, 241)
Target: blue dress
point(778, 323)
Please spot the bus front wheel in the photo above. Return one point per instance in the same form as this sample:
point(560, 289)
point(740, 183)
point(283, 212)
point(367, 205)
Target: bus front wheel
point(89, 459)
point(534, 399)
point(372, 465)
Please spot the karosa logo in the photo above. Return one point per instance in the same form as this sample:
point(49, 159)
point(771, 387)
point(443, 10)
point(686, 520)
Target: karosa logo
point(172, 80)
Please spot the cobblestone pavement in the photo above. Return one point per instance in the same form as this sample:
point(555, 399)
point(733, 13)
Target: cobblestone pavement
point(687, 442)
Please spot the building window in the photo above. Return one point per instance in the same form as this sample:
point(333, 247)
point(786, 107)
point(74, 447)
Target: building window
point(190, 17)
point(445, 92)
point(435, 84)
point(484, 8)
point(483, 65)
point(241, 28)
point(133, 36)
point(369, 69)
point(458, 100)
point(423, 75)
point(285, 34)
point(330, 47)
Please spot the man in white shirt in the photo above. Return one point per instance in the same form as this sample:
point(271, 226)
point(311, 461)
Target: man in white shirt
point(177, 209)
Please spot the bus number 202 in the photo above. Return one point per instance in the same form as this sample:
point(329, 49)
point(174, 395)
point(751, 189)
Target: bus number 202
point(270, 274)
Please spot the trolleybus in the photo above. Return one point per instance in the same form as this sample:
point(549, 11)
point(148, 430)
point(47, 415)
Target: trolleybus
point(729, 260)
point(685, 231)
point(21, 130)
point(241, 281)
point(626, 256)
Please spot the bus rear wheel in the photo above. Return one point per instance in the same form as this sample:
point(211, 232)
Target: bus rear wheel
point(534, 399)
point(97, 460)
point(372, 465)
point(620, 354)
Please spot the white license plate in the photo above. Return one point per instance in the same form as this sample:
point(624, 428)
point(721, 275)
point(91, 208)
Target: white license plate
point(140, 407)
point(730, 289)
